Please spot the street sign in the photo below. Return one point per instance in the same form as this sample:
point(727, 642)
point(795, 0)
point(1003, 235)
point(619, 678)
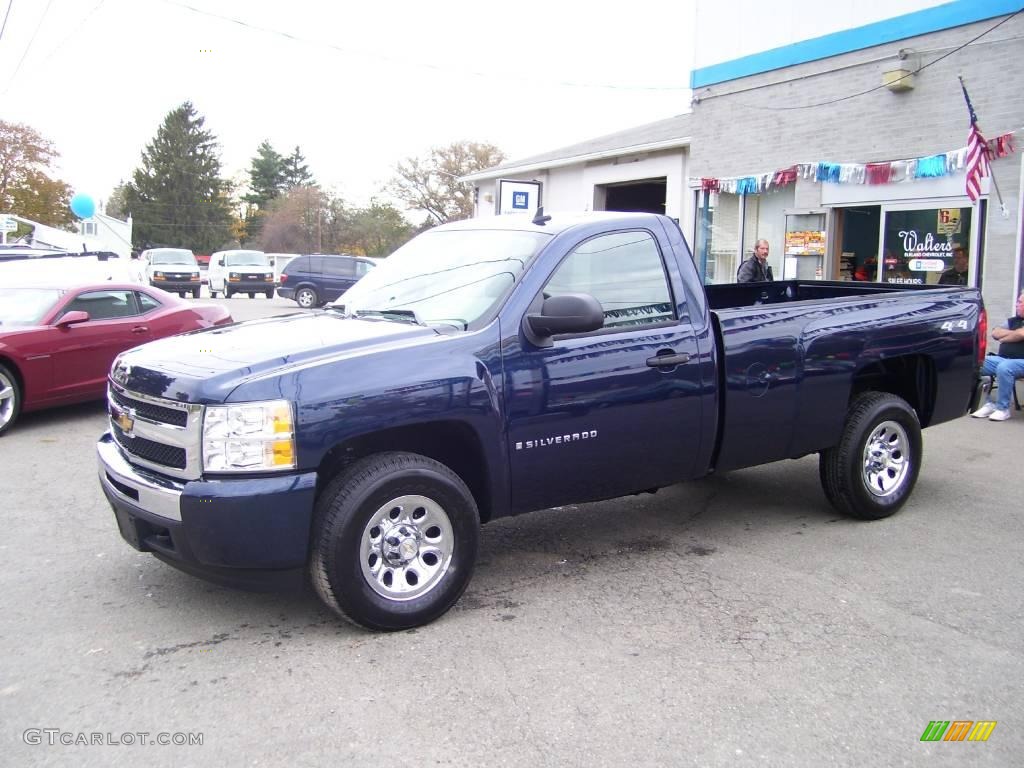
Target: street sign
point(7, 224)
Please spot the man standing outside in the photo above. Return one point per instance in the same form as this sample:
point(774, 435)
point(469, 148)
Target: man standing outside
point(1006, 367)
point(957, 274)
point(755, 269)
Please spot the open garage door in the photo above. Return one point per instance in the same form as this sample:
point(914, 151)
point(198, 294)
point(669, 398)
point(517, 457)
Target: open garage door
point(644, 195)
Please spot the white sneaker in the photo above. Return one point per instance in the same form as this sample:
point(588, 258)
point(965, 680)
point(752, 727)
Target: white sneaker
point(986, 410)
point(998, 415)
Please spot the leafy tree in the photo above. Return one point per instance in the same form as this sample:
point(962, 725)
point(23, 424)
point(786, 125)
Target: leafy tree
point(376, 230)
point(26, 187)
point(431, 183)
point(294, 221)
point(177, 196)
point(296, 172)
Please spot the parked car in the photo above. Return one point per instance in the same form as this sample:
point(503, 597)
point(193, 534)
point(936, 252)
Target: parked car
point(495, 366)
point(174, 270)
point(240, 271)
point(58, 339)
point(315, 279)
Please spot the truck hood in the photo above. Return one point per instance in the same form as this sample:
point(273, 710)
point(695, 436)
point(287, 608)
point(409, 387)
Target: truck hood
point(205, 366)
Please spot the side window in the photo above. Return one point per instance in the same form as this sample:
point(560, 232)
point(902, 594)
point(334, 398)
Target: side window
point(105, 305)
point(624, 272)
point(146, 302)
point(314, 266)
point(362, 268)
point(339, 267)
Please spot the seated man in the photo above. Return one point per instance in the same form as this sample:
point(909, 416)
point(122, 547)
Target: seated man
point(1006, 367)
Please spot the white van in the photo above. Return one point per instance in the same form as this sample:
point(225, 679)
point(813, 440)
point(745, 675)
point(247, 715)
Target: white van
point(240, 271)
point(173, 269)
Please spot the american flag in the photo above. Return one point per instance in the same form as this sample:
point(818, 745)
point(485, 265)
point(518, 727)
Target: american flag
point(977, 153)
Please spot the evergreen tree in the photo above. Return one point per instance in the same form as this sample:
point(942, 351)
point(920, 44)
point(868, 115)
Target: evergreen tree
point(177, 196)
point(266, 176)
point(296, 172)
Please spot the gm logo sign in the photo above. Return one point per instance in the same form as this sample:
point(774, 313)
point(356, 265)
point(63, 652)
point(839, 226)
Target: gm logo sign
point(521, 200)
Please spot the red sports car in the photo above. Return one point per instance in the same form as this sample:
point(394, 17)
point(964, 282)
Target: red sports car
point(57, 342)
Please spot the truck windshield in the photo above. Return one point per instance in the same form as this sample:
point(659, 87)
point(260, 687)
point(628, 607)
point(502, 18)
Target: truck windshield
point(246, 259)
point(25, 306)
point(447, 277)
point(172, 256)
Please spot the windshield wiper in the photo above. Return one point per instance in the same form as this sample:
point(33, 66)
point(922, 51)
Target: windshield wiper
point(402, 315)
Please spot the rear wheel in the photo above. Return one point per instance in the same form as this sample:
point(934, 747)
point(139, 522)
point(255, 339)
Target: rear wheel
point(306, 298)
point(395, 541)
point(269, 294)
point(10, 399)
point(871, 473)
point(195, 293)
point(227, 292)
point(252, 294)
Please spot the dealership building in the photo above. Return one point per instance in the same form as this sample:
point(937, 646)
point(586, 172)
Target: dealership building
point(846, 148)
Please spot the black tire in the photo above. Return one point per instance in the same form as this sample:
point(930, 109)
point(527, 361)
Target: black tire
point(227, 292)
point(356, 503)
point(252, 294)
point(871, 473)
point(10, 399)
point(195, 293)
point(306, 298)
point(181, 294)
point(269, 294)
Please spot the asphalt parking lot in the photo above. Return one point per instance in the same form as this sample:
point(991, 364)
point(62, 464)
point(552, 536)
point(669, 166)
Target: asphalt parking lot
point(737, 620)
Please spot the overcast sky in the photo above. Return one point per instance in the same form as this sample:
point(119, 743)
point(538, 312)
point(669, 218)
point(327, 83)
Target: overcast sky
point(364, 85)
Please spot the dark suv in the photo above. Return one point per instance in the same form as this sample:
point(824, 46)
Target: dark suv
point(316, 279)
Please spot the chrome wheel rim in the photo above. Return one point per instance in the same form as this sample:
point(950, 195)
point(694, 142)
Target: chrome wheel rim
point(886, 459)
point(305, 298)
point(6, 400)
point(406, 547)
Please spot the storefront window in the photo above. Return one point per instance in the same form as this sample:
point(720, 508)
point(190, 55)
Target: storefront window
point(718, 236)
point(928, 246)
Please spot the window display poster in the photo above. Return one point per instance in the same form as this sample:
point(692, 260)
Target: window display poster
point(517, 197)
point(918, 244)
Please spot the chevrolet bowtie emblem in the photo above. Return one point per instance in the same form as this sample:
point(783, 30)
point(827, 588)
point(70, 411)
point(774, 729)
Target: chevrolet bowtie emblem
point(125, 420)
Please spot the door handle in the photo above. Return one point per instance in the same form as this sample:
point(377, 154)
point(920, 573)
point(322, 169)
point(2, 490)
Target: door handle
point(668, 359)
point(140, 329)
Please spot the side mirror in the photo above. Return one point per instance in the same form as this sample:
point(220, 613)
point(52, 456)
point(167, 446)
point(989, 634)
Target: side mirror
point(74, 317)
point(220, 262)
point(567, 313)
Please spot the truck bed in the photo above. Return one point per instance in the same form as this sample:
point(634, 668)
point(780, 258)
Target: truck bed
point(793, 353)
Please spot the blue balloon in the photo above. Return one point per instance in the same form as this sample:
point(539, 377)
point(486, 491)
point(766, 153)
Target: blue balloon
point(83, 206)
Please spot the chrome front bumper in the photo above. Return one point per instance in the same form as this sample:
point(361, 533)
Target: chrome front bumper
point(157, 495)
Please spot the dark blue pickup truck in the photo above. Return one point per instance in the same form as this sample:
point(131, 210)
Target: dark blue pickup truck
point(497, 366)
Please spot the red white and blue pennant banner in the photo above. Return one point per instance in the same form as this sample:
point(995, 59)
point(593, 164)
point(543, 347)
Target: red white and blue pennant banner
point(889, 172)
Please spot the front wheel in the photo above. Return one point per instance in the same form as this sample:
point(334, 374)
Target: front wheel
point(871, 473)
point(252, 294)
point(195, 293)
point(269, 294)
point(395, 541)
point(10, 399)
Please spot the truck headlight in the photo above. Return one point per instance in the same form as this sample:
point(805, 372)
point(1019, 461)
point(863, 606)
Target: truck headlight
point(158, 275)
point(249, 437)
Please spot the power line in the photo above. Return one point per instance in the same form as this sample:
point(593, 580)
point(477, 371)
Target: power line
point(6, 16)
point(412, 62)
point(883, 85)
point(27, 47)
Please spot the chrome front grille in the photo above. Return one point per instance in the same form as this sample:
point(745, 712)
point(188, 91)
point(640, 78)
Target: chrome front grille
point(156, 433)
